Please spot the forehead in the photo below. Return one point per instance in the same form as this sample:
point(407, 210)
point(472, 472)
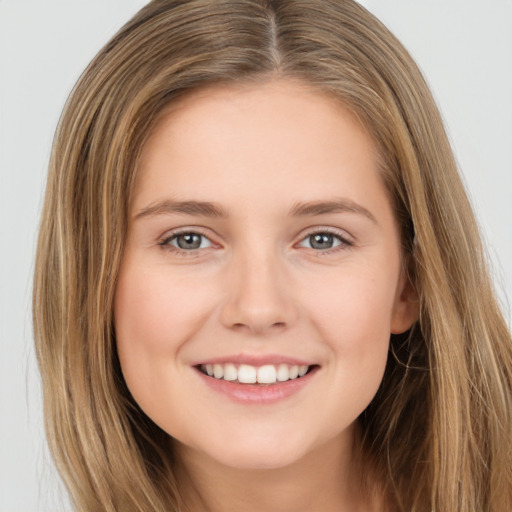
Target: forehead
point(280, 139)
point(282, 102)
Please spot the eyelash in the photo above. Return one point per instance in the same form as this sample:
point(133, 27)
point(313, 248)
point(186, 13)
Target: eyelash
point(165, 242)
point(345, 243)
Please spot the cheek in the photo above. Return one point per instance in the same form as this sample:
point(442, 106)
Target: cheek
point(152, 321)
point(141, 317)
point(353, 314)
point(152, 316)
point(353, 305)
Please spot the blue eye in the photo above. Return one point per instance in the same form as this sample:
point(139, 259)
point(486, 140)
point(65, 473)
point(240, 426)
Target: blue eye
point(187, 241)
point(323, 240)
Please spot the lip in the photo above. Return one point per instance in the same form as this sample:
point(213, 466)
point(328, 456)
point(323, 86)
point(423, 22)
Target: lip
point(256, 393)
point(255, 360)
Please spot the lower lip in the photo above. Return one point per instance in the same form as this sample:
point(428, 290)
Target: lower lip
point(258, 393)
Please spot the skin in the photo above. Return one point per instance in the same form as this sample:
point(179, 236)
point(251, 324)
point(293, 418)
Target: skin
point(258, 285)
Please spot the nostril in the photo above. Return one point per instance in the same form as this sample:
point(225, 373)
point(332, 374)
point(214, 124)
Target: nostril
point(259, 327)
point(257, 306)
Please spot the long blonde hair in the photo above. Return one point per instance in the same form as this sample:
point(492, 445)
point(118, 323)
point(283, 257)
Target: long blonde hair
point(439, 431)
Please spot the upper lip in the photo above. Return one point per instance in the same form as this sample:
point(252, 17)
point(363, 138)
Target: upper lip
point(255, 360)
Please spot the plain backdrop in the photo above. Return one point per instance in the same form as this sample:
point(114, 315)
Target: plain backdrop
point(463, 46)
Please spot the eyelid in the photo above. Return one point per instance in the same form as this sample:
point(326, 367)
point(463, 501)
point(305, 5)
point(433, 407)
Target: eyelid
point(163, 241)
point(346, 239)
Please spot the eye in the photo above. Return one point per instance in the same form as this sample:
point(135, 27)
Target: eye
point(186, 241)
point(324, 240)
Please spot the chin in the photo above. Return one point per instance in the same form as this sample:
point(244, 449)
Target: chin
point(255, 453)
point(253, 460)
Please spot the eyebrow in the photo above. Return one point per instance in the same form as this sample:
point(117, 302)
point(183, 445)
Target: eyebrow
point(339, 205)
point(214, 210)
point(196, 208)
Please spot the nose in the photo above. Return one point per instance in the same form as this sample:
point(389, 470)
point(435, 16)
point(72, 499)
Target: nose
point(259, 297)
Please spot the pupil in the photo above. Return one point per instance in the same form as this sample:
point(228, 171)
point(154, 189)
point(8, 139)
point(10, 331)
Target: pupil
point(321, 241)
point(189, 241)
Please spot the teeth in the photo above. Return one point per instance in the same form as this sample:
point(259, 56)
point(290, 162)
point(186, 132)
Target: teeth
point(294, 372)
point(218, 371)
point(247, 374)
point(230, 372)
point(283, 373)
point(267, 374)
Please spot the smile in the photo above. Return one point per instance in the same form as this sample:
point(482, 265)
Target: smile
point(256, 379)
point(248, 374)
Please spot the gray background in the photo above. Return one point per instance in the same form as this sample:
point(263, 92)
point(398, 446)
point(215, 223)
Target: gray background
point(463, 46)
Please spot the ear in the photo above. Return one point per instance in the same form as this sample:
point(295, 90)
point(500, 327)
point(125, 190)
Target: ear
point(406, 305)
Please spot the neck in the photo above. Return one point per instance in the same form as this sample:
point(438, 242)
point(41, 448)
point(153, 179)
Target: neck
point(327, 479)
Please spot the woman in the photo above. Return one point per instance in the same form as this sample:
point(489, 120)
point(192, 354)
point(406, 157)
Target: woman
point(155, 311)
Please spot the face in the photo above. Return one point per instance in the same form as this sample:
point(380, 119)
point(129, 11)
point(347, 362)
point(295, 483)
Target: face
point(262, 275)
